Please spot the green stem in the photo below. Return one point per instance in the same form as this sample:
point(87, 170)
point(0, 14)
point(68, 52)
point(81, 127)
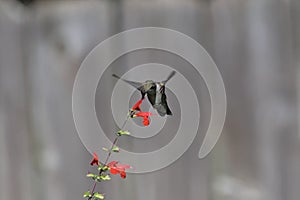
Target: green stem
point(108, 156)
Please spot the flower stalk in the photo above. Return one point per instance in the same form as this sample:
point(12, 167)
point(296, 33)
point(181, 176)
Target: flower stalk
point(114, 167)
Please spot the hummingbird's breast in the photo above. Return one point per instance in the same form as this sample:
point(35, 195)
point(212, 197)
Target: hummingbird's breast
point(158, 94)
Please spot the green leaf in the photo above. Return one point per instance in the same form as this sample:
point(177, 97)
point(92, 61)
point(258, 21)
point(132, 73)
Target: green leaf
point(98, 195)
point(90, 175)
point(104, 168)
point(87, 194)
point(97, 178)
point(115, 149)
point(105, 149)
point(105, 177)
point(120, 132)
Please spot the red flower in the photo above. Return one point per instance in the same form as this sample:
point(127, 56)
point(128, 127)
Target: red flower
point(137, 105)
point(123, 174)
point(95, 160)
point(145, 116)
point(146, 121)
point(116, 168)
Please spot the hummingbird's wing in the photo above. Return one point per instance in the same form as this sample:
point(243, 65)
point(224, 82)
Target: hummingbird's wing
point(169, 77)
point(165, 105)
point(137, 85)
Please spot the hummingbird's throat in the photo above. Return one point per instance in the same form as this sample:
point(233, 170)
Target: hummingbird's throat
point(158, 94)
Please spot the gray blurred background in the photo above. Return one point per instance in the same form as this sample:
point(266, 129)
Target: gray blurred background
point(255, 44)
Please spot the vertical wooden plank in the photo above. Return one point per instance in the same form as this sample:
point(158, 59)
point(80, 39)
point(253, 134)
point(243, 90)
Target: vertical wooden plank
point(15, 154)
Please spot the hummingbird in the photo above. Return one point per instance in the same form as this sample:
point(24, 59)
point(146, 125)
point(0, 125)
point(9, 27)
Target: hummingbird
point(155, 92)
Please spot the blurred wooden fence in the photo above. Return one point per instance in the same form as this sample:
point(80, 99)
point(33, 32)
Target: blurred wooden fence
point(255, 44)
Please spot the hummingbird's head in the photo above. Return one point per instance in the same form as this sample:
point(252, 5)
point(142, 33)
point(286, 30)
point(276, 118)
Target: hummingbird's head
point(149, 84)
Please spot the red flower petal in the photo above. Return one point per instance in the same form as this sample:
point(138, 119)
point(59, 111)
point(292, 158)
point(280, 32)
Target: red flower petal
point(137, 105)
point(116, 168)
point(113, 170)
point(112, 163)
point(143, 114)
point(146, 121)
point(123, 167)
point(123, 174)
point(95, 160)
